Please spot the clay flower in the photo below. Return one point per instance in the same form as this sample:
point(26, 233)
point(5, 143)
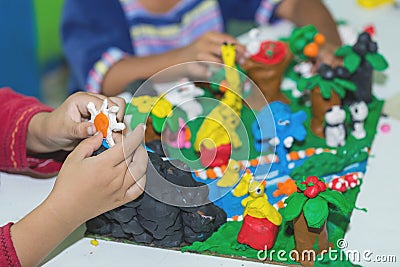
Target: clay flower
point(313, 186)
point(144, 103)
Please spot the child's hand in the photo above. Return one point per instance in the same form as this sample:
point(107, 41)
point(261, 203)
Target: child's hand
point(208, 48)
point(327, 55)
point(67, 125)
point(88, 186)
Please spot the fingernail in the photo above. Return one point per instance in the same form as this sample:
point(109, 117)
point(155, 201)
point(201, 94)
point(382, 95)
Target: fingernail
point(90, 130)
point(97, 133)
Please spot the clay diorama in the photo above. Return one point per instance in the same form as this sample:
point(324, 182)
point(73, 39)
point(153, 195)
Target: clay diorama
point(228, 179)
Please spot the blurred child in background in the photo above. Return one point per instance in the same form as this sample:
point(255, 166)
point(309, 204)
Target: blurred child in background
point(110, 43)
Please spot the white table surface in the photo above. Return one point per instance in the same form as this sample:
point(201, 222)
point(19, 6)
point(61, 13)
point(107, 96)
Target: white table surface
point(376, 230)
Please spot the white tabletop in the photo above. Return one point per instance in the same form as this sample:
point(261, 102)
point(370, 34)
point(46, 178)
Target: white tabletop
point(375, 231)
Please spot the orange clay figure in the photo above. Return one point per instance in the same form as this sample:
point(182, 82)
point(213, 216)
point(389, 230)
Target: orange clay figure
point(105, 120)
point(288, 187)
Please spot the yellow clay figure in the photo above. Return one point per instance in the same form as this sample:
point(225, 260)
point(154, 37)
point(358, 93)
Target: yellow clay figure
point(243, 187)
point(261, 208)
point(255, 190)
point(231, 175)
point(219, 128)
point(257, 205)
point(162, 108)
point(228, 53)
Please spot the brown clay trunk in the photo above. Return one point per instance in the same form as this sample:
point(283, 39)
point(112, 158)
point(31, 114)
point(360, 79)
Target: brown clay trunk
point(319, 106)
point(268, 77)
point(305, 238)
point(150, 133)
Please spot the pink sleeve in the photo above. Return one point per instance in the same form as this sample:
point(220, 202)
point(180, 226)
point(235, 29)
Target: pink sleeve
point(8, 256)
point(15, 113)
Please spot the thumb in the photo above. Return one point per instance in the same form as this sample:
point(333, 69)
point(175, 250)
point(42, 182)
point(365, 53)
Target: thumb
point(87, 147)
point(80, 130)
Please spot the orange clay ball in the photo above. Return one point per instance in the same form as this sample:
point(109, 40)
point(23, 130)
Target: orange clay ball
point(101, 122)
point(319, 39)
point(223, 86)
point(311, 50)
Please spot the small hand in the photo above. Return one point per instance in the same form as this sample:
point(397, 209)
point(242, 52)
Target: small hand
point(67, 125)
point(327, 56)
point(91, 185)
point(208, 48)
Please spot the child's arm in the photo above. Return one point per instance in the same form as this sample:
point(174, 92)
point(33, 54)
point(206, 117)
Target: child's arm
point(205, 48)
point(303, 12)
point(16, 111)
point(98, 47)
point(86, 187)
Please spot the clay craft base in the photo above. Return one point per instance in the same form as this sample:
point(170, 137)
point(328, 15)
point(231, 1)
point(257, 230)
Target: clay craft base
point(223, 243)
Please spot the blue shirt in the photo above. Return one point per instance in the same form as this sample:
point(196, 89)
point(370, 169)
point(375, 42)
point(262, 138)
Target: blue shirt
point(98, 33)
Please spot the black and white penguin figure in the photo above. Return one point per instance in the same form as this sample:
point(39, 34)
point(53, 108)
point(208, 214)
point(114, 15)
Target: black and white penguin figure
point(335, 129)
point(359, 112)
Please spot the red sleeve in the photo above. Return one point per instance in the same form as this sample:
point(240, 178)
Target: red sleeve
point(8, 256)
point(15, 113)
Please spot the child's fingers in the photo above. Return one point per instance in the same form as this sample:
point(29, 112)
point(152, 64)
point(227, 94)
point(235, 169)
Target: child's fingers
point(220, 38)
point(129, 144)
point(134, 167)
point(117, 137)
point(209, 57)
point(87, 147)
point(135, 190)
point(80, 100)
point(138, 165)
point(80, 130)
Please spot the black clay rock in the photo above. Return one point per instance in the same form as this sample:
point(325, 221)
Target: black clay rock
point(154, 219)
point(116, 231)
point(145, 238)
point(132, 227)
point(99, 225)
point(123, 214)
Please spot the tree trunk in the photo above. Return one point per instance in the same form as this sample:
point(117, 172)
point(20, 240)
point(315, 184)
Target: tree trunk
point(362, 78)
point(150, 133)
point(268, 77)
point(319, 106)
point(306, 238)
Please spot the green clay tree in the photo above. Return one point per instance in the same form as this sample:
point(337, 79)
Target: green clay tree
point(327, 88)
point(308, 208)
point(304, 42)
point(361, 59)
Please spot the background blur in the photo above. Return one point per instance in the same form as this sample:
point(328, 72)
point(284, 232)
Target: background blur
point(30, 49)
